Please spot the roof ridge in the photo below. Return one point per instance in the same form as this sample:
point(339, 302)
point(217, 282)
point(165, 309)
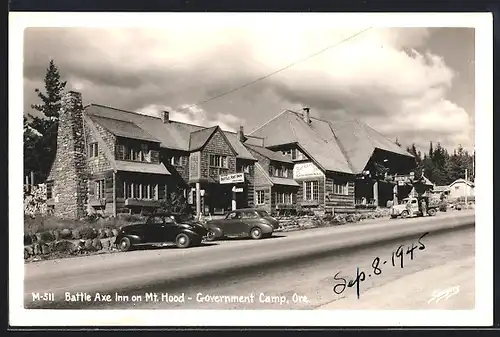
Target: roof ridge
point(342, 149)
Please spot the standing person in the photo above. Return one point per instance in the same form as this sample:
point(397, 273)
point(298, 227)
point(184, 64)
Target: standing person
point(424, 208)
point(409, 208)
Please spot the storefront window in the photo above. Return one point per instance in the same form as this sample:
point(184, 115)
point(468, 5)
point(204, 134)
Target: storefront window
point(340, 189)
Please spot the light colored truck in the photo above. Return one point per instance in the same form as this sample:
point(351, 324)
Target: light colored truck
point(401, 210)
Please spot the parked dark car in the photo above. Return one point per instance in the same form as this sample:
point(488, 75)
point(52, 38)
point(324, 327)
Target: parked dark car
point(160, 228)
point(248, 222)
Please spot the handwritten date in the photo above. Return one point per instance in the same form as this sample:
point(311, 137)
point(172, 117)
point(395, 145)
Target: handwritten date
point(397, 260)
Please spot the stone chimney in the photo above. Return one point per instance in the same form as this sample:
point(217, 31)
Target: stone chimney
point(307, 117)
point(69, 167)
point(241, 135)
point(165, 117)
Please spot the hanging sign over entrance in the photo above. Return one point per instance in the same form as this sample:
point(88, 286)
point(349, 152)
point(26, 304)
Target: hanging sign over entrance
point(234, 178)
point(237, 189)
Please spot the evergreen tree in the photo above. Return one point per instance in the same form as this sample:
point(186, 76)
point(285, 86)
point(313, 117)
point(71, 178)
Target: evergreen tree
point(40, 135)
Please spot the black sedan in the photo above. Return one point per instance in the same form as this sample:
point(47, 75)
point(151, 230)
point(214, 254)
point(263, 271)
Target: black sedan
point(248, 222)
point(162, 228)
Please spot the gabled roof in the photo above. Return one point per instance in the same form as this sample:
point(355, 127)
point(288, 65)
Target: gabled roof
point(123, 129)
point(199, 138)
point(461, 180)
point(172, 135)
point(272, 155)
point(359, 141)
point(441, 188)
point(238, 146)
point(341, 146)
point(288, 127)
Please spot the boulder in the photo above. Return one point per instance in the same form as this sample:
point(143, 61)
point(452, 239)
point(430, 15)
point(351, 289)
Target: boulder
point(106, 245)
point(66, 234)
point(26, 254)
point(37, 250)
point(65, 246)
point(109, 232)
point(115, 232)
point(101, 233)
point(75, 234)
point(28, 250)
point(88, 244)
point(88, 233)
point(97, 244)
point(112, 241)
point(38, 237)
point(57, 234)
point(45, 249)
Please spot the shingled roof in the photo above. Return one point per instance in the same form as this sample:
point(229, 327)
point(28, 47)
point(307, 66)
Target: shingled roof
point(172, 134)
point(276, 156)
point(288, 127)
point(341, 146)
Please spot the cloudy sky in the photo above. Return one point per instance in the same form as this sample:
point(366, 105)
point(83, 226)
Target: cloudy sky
point(414, 84)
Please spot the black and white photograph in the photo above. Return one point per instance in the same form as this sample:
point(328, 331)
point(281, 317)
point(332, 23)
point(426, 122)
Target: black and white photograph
point(299, 169)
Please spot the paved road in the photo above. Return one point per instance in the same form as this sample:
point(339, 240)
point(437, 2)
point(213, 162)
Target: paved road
point(205, 269)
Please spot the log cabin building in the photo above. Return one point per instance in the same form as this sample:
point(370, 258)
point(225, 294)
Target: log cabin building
point(114, 161)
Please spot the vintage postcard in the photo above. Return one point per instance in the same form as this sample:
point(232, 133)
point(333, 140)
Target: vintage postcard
point(250, 169)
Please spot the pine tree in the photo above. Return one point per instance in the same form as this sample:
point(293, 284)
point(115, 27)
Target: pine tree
point(54, 89)
point(40, 135)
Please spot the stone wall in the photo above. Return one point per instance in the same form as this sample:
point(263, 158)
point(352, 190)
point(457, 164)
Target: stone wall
point(69, 171)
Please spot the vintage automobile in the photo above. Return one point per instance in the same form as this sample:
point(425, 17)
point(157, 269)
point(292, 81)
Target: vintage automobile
point(401, 210)
point(248, 222)
point(161, 228)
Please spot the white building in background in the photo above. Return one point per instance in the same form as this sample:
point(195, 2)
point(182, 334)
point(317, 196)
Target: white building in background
point(461, 188)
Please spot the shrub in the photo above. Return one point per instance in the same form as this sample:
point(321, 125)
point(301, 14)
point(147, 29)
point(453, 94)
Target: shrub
point(443, 206)
point(47, 237)
point(88, 233)
point(28, 240)
point(66, 234)
point(64, 247)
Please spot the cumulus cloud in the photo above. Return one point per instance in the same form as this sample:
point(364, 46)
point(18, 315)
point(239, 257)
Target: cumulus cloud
point(388, 78)
point(195, 115)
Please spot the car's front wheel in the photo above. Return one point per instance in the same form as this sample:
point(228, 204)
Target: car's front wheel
point(256, 233)
point(404, 214)
point(182, 240)
point(431, 212)
point(210, 235)
point(124, 244)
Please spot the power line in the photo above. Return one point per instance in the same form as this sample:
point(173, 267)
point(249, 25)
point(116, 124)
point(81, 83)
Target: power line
point(277, 71)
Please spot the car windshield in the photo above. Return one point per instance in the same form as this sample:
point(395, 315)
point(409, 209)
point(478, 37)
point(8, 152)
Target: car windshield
point(404, 201)
point(262, 213)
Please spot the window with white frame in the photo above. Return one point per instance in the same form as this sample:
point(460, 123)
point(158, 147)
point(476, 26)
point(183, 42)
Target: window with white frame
point(340, 188)
point(259, 196)
point(140, 191)
point(218, 161)
point(99, 189)
point(93, 150)
point(311, 190)
point(284, 197)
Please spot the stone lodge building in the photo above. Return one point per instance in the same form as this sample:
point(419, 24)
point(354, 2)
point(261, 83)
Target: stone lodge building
point(113, 161)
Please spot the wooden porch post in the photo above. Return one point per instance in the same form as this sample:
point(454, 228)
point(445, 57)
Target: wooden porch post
point(198, 200)
point(114, 194)
point(375, 193)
